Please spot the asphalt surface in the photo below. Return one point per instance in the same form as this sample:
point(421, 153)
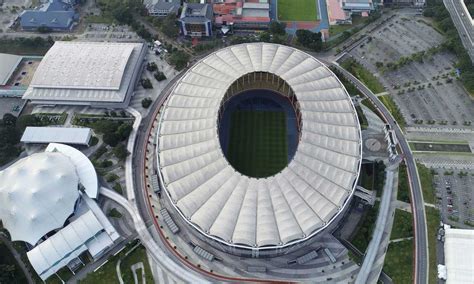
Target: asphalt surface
point(418, 208)
point(463, 24)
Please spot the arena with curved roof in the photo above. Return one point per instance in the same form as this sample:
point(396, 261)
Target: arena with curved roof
point(274, 211)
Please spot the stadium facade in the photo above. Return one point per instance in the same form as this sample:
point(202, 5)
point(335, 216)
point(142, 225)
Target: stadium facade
point(252, 216)
point(97, 74)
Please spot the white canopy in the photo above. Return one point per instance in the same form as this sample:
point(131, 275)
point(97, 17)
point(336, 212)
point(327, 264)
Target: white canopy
point(459, 255)
point(37, 195)
point(277, 211)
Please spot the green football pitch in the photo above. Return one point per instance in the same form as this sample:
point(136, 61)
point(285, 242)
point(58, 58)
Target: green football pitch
point(258, 145)
point(297, 10)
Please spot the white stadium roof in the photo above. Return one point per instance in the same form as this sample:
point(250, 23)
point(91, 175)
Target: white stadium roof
point(37, 195)
point(459, 255)
point(272, 212)
point(68, 135)
point(86, 72)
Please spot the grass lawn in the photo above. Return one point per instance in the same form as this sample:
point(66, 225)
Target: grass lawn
point(417, 146)
point(398, 262)
point(426, 180)
point(364, 75)
point(393, 108)
point(106, 274)
point(103, 19)
point(138, 255)
point(402, 225)
point(258, 145)
point(297, 10)
point(16, 47)
point(356, 20)
point(363, 236)
point(432, 222)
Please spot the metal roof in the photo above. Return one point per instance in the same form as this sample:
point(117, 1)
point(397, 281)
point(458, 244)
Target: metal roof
point(67, 135)
point(9, 64)
point(86, 71)
point(237, 210)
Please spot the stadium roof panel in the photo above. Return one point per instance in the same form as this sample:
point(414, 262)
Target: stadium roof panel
point(277, 211)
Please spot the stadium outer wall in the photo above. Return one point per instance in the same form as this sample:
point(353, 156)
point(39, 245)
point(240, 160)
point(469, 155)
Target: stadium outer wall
point(239, 249)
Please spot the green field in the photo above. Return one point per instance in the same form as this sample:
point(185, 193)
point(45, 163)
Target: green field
point(258, 145)
point(398, 262)
point(297, 10)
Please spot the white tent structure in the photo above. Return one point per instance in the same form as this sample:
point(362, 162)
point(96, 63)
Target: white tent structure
point(459, 255)
point(266, 213)
point(37, 194)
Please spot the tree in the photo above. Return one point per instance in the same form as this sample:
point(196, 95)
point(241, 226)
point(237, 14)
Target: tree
point(26, 120)
point(7, 273)
point(113, 114)
point(277, 28)
point(111, 139)
point(124, 130)
point(179, 59)
point(9, 119)
point(169, 26)
point(151, 66)
point(44, 29)
point(309, 39)
point(146, 83)
point(121, 152)
point(146, 102)
point(159, 76)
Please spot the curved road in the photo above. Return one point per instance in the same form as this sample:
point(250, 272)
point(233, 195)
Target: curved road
point(418, 206)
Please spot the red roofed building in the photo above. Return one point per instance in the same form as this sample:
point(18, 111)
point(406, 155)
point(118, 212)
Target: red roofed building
point(242, 14)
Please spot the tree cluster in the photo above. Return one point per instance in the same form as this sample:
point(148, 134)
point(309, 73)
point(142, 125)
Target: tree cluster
point(179, 59)
point(310, 40)
point(113, 132)
point(9, 139)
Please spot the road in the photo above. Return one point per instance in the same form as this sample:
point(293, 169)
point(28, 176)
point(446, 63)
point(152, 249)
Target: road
point(463, 23)
point(421, 239)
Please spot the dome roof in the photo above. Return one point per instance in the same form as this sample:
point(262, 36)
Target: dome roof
point(37, 195)
point(247, 212)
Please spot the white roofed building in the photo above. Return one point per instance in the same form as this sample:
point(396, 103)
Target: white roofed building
point(66, 135)
point(47, 201)
point(100, 74)
point(244, 212)
point(459, 255)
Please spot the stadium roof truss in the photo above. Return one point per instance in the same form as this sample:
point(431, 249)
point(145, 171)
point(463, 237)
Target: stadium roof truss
point(265, 213)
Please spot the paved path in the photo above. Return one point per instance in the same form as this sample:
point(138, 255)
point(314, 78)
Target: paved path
point(400, 240)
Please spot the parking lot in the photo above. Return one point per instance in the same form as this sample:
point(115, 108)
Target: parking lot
point(455, 197)
point(10, 105)
point(427, 92)
point(104, 32)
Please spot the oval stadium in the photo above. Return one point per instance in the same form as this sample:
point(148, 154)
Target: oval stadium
point(259, 148)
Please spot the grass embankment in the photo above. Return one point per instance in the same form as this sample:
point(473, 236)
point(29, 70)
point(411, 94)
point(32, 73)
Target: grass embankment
point(26, 46)
point(258, 144)
point(426, 180)
point(432, 222)
point(399, 261)
point(402, 225)
point(393, 109)
point(297, 10)
point(403, 193)
point(363, 74)
point(363, 236)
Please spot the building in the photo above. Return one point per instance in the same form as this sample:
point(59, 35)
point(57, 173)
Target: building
point(196, 20)
point(56, 15)
point(47, 201)
point(242, 14)
point(341, 11)
point(258, 216)
point(163, 8)
point(96, 74)
point(459, 255)
point(64, 135)
point(9, 64)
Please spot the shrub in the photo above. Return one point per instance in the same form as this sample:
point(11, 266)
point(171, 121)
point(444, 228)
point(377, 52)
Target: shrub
point(111, 177)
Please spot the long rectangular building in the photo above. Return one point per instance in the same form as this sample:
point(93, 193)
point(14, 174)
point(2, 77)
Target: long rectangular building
point(65, 135)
